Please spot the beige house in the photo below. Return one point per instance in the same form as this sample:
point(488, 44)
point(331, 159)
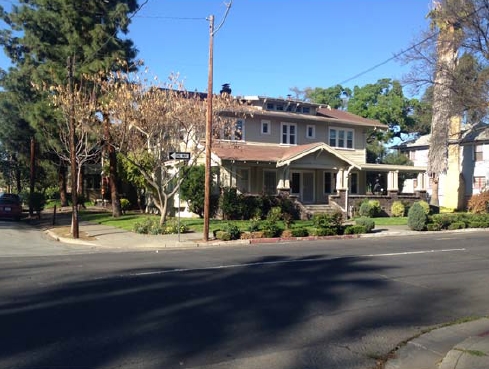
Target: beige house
point(468, 164)
point(311, 152)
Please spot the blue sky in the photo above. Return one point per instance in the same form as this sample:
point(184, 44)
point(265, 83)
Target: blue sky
point(265, 47)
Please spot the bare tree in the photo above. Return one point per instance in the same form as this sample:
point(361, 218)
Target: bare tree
point(153, 120)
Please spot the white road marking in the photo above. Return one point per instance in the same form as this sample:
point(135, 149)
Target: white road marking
point(277, 262)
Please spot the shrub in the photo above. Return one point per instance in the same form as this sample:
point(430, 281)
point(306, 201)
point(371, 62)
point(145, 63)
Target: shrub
point(125, 205)
point(375, 204)
point(233, 231)
point(254, 225)
point(324, 220)
point(147, 226)
point(223, 236)
point(299, 232)
point(172, 227)
point(425, 206)
point(398, 209)
point(456, 225)
point(433, 227)
point(417, 217)
point(355, 229)
point(368, 223)
point(366, 209)
point(192, 190)
point(322, 232)
point(479, 203)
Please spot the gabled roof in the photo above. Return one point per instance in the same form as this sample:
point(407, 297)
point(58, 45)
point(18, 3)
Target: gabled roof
point(297, 152)
point(476, 133)
point(269, 153)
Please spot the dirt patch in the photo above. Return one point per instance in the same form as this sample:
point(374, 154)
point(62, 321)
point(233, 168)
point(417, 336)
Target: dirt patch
point(65, 232)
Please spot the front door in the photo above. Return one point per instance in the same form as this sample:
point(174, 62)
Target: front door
point(303, 186)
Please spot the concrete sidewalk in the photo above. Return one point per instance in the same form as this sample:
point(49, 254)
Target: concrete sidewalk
point(458, 346)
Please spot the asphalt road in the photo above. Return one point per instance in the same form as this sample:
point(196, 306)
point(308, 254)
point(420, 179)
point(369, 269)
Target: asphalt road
point(323, 304)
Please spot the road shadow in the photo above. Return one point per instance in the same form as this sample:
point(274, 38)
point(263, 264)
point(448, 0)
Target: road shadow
point(183, 318)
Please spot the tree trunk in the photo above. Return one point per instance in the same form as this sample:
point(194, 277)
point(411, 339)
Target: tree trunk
point(447, 55)
point(110, 152)
point(62, 185)
point(435, 200)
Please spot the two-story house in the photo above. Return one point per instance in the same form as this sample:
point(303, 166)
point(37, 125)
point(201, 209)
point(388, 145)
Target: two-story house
point(468, 164)
point(312, 152)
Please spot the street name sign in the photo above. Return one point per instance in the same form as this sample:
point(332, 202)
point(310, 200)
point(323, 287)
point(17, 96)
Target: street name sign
point(180, 155)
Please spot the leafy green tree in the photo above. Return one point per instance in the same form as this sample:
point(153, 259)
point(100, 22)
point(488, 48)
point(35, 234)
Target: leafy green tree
point(336, 97)
point(42, 34)
point(192, 190)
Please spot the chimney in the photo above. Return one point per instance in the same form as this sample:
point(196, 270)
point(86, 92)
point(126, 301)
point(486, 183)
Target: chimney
point(225, 89)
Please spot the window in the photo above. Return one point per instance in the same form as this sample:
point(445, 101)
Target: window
point(328, 182)
point(233, 132)
point(311, 131)
point(479, 183)
point(280, 107)
point(332, 137)
point(269, 182)
point(270, 106)
point(478, 153)
point(354, 183)
point(295, 185)
point(243, 180)
point(265, 127)
point(306, 110)
point(289, 134)
point(342, 138)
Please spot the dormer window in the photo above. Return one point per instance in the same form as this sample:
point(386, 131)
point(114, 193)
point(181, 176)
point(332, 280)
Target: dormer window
point(280, 107)
point(306, 110)
point(270, 106)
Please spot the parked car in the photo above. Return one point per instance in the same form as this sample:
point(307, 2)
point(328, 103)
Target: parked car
point(10, 206)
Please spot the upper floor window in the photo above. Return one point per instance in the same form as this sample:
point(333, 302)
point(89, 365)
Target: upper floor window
point(479, 183)
point(342, 138)
point(306, 110)
point(289, 134)
point(270, 106)
point(265, 127)
point(233, 131)
point(311, 131)
point(478, 153)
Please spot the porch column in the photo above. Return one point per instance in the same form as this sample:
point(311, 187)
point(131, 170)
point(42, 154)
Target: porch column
point(421, 184)
point(284, 182)
point(341, 181)
point(393, 181)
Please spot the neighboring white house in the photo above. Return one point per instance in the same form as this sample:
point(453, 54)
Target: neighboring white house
point(471, 165)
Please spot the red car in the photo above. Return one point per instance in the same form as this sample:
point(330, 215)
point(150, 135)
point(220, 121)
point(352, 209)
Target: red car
point(10, 206)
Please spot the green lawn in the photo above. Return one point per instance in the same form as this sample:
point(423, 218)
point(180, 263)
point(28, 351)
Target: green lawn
point(127, 221)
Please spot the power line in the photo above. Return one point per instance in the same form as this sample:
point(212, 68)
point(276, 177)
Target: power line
point(395, 56)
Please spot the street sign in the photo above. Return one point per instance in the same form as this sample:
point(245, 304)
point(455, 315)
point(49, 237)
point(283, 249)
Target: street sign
point(180, 155)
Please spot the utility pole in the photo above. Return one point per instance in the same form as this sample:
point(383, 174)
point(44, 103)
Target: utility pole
point(208, 132)
point(74, 196)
